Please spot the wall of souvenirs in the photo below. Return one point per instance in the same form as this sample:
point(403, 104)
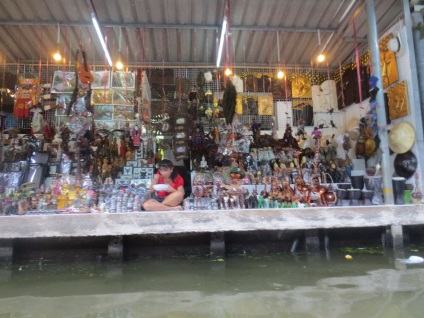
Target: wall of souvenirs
point(75, 141)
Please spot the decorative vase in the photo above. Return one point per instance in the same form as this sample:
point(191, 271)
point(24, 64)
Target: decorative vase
point(354, 196)
point(407, 196)
point(367, 196)
point(374, 183)
point(357, 182)
point(398, 189)
point(341, 195)
point(344, 186)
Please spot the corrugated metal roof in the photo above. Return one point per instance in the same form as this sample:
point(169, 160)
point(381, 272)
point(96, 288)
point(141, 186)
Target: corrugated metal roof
point(186, 32)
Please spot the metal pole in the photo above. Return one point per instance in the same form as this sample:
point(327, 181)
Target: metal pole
point(415, 102)
point(381, 113)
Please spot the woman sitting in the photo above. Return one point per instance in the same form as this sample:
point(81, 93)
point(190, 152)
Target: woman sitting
point(171, 198)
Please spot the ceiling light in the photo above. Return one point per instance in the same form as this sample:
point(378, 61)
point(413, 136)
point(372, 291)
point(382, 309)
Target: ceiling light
point(100, 36)
point(321, 58)
point(228, 72)
point(280, 74)
point(57, 56)
point(347, 10)
point(221, 41)
point(119, 64)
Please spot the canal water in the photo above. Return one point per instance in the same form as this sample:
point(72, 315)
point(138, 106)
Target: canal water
point(367, 284)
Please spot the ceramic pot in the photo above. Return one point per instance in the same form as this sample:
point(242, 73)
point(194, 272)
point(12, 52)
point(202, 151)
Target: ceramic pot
point(367, 196)
point(374, 183)
point(357, 182)
point(341, 195)
point(354, 196)
point(344, 186)
point(407, 196)
point(398, 189)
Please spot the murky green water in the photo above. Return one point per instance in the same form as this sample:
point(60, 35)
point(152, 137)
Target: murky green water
point(240, 286)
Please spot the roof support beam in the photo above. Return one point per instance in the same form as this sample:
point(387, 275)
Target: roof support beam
point(169, 26)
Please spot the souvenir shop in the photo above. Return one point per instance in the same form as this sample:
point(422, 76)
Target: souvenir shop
point(85, 139)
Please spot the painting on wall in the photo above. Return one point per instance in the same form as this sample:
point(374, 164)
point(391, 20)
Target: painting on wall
point(101, 79)
point(388, 63)
point(324, 97)
point(398, 100)
point(250, 104)
point(123, 80)
point(103, 112)
point(301, 87)
point(266, 105)
point(303, 111)
point(102, 96)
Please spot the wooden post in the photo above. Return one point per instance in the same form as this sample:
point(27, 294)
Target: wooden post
point(217, 247)
point(312, 241)
point(115, 250)
point(6, 251)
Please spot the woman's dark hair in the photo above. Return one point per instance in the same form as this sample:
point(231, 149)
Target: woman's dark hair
point(166, 163)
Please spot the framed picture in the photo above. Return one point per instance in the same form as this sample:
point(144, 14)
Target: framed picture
point(301, 87)
point(132, 163)
point(398, 100)
point(107, 124)
point(122, 182)
point(101, 79)
point(123, 97)
point(123, 80)
point(266, 105)
point(102, 96)
point(137, 172)
point(63, 82)
point(146, 173)
point(128, 171)
point(103, 112)
point(137, 182)
point(143, 162)
point(303, 111)
point(139, 154)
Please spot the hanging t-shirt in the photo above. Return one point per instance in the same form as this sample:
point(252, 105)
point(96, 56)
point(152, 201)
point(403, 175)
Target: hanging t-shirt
point(24, 101)
point(135, 134)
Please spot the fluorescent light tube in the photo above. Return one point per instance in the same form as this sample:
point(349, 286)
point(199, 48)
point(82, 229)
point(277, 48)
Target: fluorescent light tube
point(102, 41)
point(221, 41)
point(347, 10)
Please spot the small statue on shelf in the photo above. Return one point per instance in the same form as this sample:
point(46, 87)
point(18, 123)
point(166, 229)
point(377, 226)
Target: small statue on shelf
point(288, 139)
point(129, 154)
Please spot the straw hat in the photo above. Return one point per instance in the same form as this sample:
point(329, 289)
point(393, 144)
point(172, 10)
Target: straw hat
point(401, 137)
point(352, 129)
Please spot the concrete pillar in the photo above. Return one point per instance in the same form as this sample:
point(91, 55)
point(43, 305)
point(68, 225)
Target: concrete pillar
point(115, 250)
point(6, 251)
point(217, 245)
point(312, 241)
point(397, 236)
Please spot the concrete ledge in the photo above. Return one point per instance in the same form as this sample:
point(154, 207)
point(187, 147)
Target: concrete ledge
point(77, 225)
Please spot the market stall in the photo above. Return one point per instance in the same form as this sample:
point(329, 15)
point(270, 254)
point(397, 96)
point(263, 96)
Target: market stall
point(89, 140)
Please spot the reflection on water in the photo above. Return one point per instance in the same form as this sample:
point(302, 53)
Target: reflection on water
point(241, 286)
